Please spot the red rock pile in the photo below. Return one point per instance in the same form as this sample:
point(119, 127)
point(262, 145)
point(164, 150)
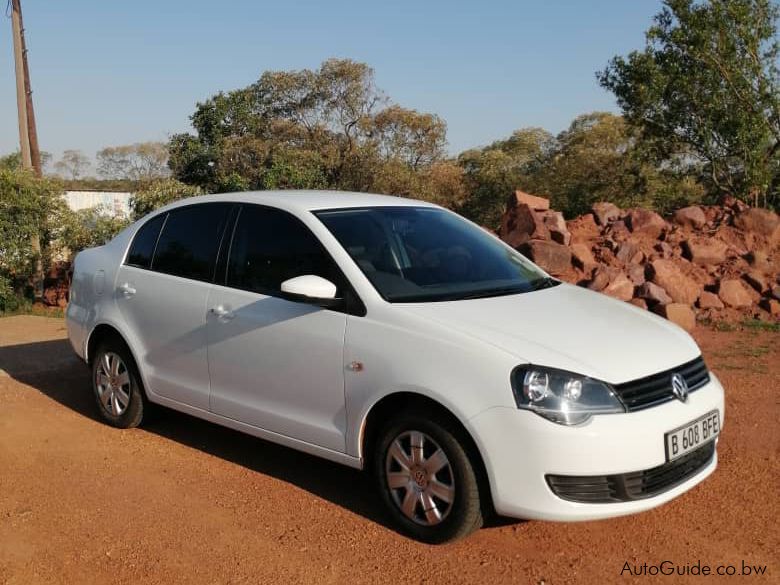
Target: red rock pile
point(720, 262)
point(56, 285)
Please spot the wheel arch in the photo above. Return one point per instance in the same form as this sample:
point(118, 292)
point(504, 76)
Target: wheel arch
point(100, 333)
point(398, 401)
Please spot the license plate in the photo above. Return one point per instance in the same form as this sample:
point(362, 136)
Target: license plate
point(692, 435)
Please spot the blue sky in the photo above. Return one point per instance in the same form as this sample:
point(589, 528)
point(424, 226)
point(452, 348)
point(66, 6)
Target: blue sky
point(107, 72)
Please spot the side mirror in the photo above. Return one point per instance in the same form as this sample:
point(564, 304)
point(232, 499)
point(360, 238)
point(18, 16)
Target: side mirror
point(311, 289)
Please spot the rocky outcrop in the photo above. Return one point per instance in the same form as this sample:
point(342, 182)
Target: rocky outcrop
point(759, 221)
point(523, 224)
point(692, 217)
point(679, 313)
point(705, 251)
point(532, 201)
point(605, 212)
point(645, 222)
point(733, 293)
point(669, 275)
point(555, 257)
point(718, 262)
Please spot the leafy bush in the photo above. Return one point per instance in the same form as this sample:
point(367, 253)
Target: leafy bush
point(155, 194)
point(30, 209)
point(9, 300)
point(87, 228)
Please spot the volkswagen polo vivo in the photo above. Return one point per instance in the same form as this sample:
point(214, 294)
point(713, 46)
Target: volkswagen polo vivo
point(393, 335)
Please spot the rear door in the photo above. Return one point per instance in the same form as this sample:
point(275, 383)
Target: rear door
point(274, 363)
point(162, 290)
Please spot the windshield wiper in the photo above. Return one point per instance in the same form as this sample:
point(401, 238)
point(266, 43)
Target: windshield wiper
point(538, 284)
point(544, 282)
point(492, 292)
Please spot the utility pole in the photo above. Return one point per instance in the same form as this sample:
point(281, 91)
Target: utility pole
point(32, 131)
point(21, 98)
point(28, 135)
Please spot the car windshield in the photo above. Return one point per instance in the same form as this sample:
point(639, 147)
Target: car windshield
point(418, 254)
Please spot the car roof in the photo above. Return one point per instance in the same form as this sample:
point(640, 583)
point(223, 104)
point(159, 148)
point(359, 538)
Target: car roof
point(300, 201)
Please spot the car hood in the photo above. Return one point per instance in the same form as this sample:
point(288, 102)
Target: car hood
point(570, 328)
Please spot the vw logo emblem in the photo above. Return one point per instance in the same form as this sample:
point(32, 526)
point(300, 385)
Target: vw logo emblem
point(679, 388)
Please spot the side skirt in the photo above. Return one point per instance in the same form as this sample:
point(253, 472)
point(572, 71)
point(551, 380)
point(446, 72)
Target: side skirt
point(264, 434)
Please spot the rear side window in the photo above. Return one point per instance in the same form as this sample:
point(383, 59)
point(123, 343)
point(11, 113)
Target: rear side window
point(142, 249)
point(190, 240)
point(270, 246)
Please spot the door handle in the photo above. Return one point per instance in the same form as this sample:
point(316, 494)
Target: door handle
point(222, 312)
point(127, 290)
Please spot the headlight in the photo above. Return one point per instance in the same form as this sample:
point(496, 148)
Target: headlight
point(561, 396)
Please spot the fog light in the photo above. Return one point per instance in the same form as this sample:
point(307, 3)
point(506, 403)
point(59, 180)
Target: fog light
point(573, 389)
point(536, 385)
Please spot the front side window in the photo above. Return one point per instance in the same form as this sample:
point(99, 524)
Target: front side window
point(270, 246)
point(190, 240)
point(417, 254)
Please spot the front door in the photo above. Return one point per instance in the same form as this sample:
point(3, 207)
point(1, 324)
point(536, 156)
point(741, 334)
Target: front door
point(276, 364)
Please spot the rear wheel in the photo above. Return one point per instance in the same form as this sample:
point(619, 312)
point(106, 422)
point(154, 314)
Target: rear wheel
point(117, 386)
point(426, 478)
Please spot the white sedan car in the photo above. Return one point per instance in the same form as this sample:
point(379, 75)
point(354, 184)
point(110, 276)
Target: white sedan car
point(394, 335)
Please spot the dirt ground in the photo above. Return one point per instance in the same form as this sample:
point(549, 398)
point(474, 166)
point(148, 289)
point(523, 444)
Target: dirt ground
point(185, 501)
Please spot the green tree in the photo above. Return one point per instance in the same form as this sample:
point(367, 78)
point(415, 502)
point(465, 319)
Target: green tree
point(72, 165)
point(319, 111)
point(442, 182)
point(13, 161)
point(295, 168)
point(602, 158)
point(324, 128)
point(416, 139)
point(707, 85)
point(155, 194)
point(492, 174)
point(142, 161)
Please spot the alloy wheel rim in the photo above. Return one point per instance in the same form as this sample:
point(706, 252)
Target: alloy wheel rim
point(420, 478)
point(112, 380)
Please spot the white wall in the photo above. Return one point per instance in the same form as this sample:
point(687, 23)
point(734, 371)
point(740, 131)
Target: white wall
point(116, 203)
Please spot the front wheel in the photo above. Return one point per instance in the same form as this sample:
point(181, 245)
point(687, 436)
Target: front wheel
point(426, 478)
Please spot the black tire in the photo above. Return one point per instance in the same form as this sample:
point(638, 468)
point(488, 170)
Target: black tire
point(132, 398)
point(463, 515)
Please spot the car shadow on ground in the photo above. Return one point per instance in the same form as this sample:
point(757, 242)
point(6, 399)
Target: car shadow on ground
point(52, 368)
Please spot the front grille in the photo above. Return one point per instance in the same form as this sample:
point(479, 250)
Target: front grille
point(636, 485)
point(657, 388)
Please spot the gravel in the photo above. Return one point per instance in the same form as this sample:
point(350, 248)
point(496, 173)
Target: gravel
point(185, 501)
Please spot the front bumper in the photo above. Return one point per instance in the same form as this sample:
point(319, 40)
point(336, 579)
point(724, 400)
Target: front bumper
point(521, 448)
